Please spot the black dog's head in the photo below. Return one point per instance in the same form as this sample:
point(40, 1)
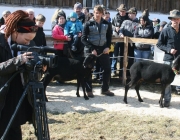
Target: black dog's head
point(89, 61)
point(176, 63)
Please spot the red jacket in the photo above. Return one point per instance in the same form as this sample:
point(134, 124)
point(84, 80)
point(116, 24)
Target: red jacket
point(58, 33)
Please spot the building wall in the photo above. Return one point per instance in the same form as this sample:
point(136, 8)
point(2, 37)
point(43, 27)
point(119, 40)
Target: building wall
point(162, 6)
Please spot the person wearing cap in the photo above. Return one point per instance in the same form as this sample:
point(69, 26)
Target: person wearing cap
point(5, 14)
point(156, 24)
point(73, 28)
point(168, 42)
point(19, 30)
point(96, 36)
point(116, 24)
point(127, 29)
point(77, 9)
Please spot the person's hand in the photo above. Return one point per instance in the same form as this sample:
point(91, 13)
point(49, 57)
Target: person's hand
point(173, 51)
point(44, 68)
point(79, 34)
point(68, 39)
point(25, 57)
point(121, 35)
point(106, 51)
point(117, 29)
point(94, 52)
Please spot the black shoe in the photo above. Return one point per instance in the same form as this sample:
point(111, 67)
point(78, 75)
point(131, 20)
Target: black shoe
point(107, 93)
point(90, 94)
point(73, 48)
point(166, 104)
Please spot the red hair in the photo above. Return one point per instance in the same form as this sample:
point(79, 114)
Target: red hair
point(14, 19)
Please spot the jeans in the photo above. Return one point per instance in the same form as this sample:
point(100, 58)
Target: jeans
point(141, 54)
point(119, 47)
point(75, 40)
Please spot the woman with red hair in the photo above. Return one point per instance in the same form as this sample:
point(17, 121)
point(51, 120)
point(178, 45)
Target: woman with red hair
point(19, 29)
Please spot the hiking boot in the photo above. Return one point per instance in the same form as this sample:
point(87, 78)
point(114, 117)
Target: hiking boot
point(166, 103)
point(107, 93)
point(90, 94)
point(73, 48)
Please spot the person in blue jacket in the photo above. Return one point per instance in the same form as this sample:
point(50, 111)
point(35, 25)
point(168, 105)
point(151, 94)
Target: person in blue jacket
point(73, 28)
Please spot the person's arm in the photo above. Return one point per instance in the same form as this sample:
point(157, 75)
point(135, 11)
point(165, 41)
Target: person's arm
point(136, 33)
point(109, 35)
point(84, 37)
point(66, 29)
point(121, 30)
point(149, 34)
point(57, 34)
point(162, 42)
point(12, 65)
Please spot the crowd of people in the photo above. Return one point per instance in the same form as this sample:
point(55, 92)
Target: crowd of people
point(94, 32)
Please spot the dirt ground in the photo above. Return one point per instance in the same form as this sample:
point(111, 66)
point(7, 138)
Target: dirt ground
point(62, 99)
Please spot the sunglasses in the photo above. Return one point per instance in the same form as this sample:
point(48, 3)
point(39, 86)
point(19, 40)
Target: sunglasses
point(30, 28)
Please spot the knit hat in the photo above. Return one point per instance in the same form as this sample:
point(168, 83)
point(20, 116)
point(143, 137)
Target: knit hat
point(132, 10)
point(77, 5)
point(122, 7)
point(73, 15)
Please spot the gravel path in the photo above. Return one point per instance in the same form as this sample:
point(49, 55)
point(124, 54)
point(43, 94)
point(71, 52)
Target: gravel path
point(63, 99)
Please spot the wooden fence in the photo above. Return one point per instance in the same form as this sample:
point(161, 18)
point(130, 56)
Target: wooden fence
point(162, 6)
point(126, 40)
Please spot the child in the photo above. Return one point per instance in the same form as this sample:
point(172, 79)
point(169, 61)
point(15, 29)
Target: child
point(40, 39)
point(73, 28)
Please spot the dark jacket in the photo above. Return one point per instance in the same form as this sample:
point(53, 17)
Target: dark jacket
point(95, 36)
point(8, 66)
point(128, 27)
point(40, 39)
point(143, 32)
point(168, 40)
point(118, 20)
point(81, 17)
point(1, 21)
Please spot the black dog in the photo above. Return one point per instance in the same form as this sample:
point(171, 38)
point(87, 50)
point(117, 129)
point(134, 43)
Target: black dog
point(70, 69)
point(152, 72)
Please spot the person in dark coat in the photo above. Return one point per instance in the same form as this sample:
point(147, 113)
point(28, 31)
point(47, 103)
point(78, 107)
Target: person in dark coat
point(97, 36)
point(40, 39)
point(168, 42)
point(18, 30)
point(119, 46)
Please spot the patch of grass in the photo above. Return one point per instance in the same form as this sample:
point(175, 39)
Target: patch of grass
point(108, 126)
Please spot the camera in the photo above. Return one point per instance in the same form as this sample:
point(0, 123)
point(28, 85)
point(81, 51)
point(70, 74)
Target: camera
point(39, 59)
